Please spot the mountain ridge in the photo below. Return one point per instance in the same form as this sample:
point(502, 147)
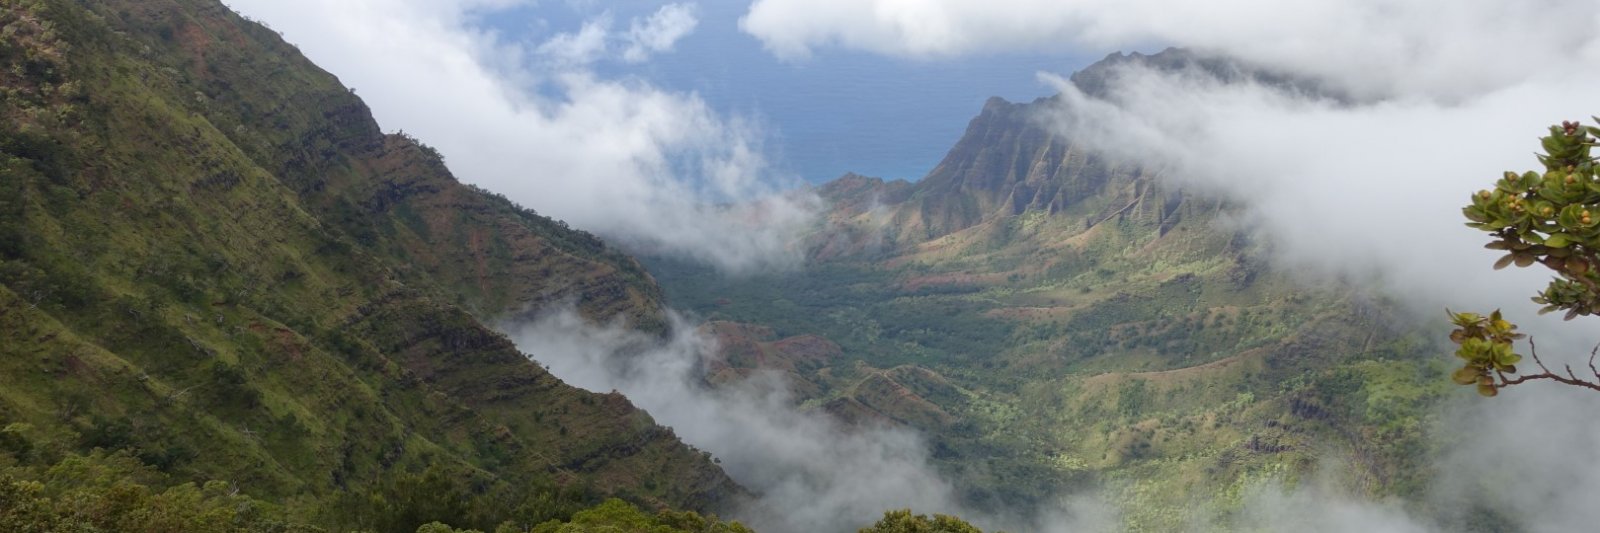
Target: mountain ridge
point(1010, 161)
point(215, 261)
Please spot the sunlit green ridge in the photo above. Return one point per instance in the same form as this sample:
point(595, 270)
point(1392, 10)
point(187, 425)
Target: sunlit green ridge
point(216, 265)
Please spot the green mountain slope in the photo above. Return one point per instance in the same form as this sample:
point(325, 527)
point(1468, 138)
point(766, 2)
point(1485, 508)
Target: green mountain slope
point(210, 256)
point(1055, 320)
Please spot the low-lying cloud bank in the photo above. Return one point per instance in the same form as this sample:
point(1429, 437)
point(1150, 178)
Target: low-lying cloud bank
point(537, 122)
point(1369, 190)
point(1377, 47)
point(811, 473)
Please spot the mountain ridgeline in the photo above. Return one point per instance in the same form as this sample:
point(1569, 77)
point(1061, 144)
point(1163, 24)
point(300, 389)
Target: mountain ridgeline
point(215, 267)
point(1013, 161)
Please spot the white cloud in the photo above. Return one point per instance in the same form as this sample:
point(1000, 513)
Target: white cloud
point(659, 32)
point(812, 475)
point(645, 37)
point(1373, 46)
point(622, 158)
point(1369, 191)
point(809, 472)
point(585, 46)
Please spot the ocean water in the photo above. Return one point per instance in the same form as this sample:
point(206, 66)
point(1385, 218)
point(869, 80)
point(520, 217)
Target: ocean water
point(835, 112)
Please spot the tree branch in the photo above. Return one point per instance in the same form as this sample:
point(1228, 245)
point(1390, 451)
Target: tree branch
point(1570, 379)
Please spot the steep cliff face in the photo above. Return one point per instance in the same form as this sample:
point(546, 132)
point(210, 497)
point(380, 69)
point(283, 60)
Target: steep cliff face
point(211, 256)
point(1010, 162)
point(391, 195)
point(492, 256)
point(1013, 161)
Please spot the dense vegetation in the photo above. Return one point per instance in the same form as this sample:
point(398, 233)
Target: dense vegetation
point(116, 492)
point(1540, 218)
point(222, 285)
point(105, 491)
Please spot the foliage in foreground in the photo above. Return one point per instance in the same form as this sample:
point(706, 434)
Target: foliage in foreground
point(613, 516)
point(115, 491)
point(618, 515)
point(903, 521)
point(1551, 218)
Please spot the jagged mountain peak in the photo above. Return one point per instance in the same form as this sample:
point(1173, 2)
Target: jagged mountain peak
point(1011, 161)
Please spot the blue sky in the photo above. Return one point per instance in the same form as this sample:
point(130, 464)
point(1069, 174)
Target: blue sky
point(839, 110)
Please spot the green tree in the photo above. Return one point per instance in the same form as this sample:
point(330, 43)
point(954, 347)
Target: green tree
point(903, 521)
point(116, 492)
point(438, 527)
point(617, 516)
point(1552, 219)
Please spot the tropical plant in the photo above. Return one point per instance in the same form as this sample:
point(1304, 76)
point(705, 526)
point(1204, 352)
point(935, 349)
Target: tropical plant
point(1552, 219)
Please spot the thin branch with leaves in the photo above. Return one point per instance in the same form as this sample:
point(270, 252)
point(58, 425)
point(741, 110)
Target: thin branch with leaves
point(1570, 379)
point(1550, 218)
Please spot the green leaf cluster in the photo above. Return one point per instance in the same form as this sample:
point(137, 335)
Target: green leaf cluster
point(902, 521)
point(1486, 349)
point(618, 515)
point(1551, 218)
point(116, 492)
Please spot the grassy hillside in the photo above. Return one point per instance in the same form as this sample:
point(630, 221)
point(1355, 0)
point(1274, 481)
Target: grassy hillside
point(211, 257)
point(1057, 320)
